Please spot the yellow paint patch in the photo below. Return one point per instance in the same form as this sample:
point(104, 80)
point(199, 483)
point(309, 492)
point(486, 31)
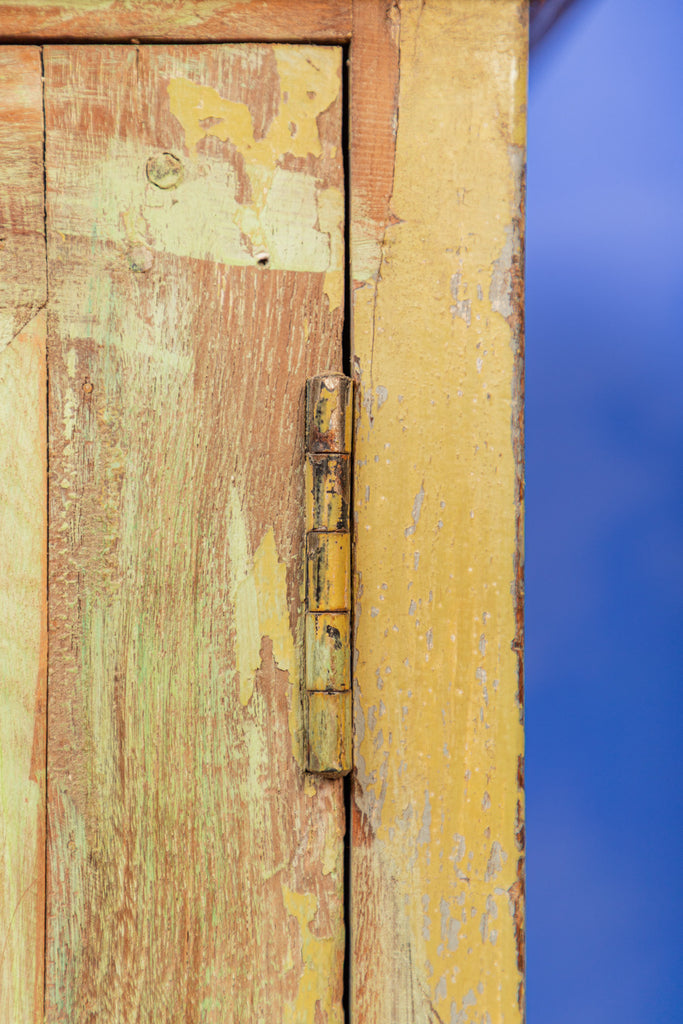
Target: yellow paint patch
point(225, 209)
point(288, 215)
point(318, 956)
point(309, 84)
point(194, 104)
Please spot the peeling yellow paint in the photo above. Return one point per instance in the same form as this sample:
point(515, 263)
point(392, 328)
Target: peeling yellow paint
point(268, 199)
point(289, 216)
point(318, 956)
point(438, 730)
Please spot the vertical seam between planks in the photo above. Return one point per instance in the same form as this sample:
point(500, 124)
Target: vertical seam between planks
point(346, 158)
point(47, 531)
point(347, 343)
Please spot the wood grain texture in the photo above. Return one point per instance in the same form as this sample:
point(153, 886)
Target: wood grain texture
point(23, 657)
point(195, 872)
point(177, 20)
point(23, 279)
point(437, 831)
point(23, 541)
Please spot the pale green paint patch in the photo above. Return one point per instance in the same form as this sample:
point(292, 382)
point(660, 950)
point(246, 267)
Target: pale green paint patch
point(22, 651)
point(261, 605)
point(182, 804)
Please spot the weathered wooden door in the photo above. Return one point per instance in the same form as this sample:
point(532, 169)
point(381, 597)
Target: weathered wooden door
point(194, 222)
point(194, 271)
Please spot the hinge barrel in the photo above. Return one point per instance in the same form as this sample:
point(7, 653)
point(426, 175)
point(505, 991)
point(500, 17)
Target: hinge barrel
point(329, 433)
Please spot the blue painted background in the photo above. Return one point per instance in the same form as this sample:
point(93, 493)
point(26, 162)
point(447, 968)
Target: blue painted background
point(605, 517)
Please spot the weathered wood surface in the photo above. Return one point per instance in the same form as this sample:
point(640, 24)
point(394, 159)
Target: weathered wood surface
point(177, 20)
point(23, 545)
point(195, 237)
point(23, 278)
point(437, 832)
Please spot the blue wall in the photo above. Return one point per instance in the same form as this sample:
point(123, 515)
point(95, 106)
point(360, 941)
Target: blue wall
point(605, 517)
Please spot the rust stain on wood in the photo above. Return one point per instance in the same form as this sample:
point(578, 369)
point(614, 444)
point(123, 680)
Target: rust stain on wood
point(194, 871)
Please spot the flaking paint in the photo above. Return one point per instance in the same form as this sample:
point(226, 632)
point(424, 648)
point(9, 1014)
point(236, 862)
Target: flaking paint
point(178, 811)
point(261, 602)
point(23, 651)
point(318, 956)
point(289, 215)
point(437, 859)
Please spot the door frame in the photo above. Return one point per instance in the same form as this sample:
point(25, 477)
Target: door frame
point(436, 156)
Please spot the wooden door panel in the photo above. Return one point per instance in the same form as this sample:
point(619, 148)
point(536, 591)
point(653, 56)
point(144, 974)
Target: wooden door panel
point(195, 253)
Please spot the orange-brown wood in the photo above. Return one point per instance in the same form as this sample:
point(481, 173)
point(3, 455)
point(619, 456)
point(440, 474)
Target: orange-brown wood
point(374, 83)
point(22, 238)
point(23, 542)
point(195, 258)
point(178, 20)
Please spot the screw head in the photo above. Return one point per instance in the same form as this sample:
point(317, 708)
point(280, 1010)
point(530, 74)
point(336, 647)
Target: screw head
point(164, 170)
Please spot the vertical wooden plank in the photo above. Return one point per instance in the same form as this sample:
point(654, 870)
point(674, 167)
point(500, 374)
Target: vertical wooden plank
point(195, 227)
point(23, 499)
point(23, 280)
point(437, 833)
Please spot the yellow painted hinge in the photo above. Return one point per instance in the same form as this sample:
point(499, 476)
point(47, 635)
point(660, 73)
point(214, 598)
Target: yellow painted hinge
point(329, 433)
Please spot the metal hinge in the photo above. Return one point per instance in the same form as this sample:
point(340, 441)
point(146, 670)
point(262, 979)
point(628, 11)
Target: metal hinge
point(329, 434)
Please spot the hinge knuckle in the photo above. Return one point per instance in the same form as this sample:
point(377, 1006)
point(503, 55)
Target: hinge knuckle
point(329, 435)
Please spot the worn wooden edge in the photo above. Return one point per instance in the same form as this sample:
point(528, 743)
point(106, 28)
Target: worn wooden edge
point(23, 672)
point(393, 908)
point(319, 21)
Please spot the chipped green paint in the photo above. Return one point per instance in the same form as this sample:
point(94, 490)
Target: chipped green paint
point(23, 650)
point(179, 813)
point(288, 216)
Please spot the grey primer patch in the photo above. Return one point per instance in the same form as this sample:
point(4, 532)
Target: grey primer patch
point(495, 861)
point(382, 395)
point(424, 834)
point(461, 308)
point(501, 282)
point(417, 511)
